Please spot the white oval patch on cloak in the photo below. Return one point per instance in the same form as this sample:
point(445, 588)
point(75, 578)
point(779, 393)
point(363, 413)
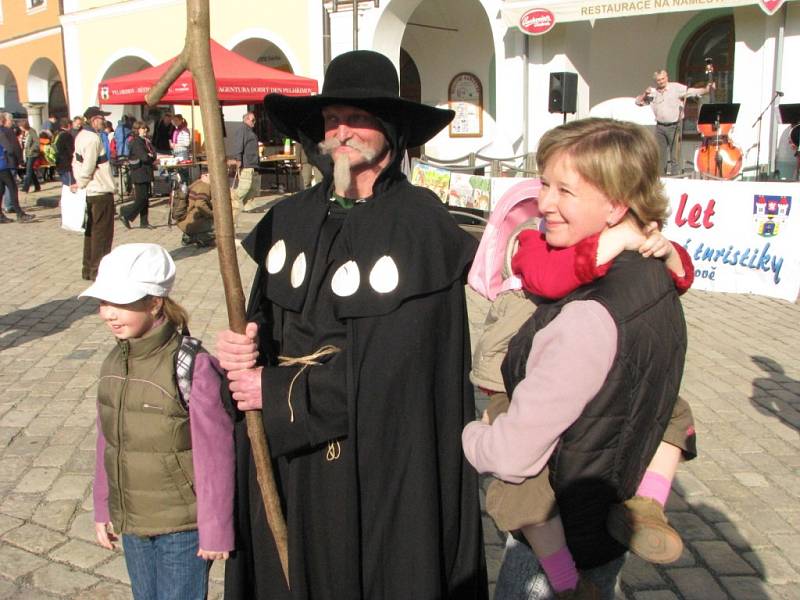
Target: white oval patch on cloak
point(384, 276)
point(298, 270)
point(346, 279)
point(276, 257)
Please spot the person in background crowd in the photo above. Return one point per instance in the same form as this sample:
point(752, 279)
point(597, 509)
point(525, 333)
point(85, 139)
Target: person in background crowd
point(141, 159)
point(245, 152)
point(181, 139)
point(106, 135)
point(162, 133)
point(10, 158)
point(194, 214)
point(52, 124)
point(77, 125)
point(30, 152)
point(93, 173)
point(65, 148)
point(122, 136)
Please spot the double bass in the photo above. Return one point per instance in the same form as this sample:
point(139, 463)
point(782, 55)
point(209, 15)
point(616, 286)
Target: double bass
point(717, 155)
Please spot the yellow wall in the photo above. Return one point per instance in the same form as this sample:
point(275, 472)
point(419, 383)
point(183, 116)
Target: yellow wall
point(19, 59)
point(22, 42)
point(17, 20)
point(163, 29)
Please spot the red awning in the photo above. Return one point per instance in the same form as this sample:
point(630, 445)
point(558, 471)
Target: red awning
point(239, 81)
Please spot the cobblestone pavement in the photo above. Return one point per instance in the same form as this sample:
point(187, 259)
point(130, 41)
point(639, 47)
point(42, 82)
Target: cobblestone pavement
point(736, 506)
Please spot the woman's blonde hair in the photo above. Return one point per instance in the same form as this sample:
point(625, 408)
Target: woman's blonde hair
point(619, 158)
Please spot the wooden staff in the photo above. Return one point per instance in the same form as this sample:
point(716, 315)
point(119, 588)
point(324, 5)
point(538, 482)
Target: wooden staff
point(196, 57)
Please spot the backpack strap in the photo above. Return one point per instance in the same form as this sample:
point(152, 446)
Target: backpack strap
point(184, 367)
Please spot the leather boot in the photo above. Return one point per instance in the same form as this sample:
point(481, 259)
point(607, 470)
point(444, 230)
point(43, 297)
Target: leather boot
point(640, 524)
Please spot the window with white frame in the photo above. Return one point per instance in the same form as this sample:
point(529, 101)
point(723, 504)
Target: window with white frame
point(34, 4)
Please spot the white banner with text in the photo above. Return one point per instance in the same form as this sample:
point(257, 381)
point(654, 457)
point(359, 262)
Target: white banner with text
point(743, 237)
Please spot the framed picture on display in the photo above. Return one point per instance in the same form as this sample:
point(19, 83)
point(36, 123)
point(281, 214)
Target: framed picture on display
point(465, 97)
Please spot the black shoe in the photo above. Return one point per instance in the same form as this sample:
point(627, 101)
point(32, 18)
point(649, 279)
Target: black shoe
point(146, 226)
point(25, 218)
point(4, 219)
point(125, 220)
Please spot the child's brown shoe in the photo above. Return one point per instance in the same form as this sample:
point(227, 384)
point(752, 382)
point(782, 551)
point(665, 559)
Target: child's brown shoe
point(586, 590)
point(640, 524)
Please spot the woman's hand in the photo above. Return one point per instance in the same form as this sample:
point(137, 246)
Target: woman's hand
point(104, 532)
point(212, 555)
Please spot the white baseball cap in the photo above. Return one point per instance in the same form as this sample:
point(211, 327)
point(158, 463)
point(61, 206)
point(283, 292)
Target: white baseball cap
point(131, 272)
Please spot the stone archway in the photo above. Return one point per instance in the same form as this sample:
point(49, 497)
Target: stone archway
point(442, 38)
point(9, 94)
point(269, 54)
point(123, 66)
point(42, 76)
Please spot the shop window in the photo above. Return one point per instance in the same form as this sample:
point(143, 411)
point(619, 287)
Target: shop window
point(714, 40)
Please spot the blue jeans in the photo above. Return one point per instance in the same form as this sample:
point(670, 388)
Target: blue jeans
point(166, 567)
point(30, 175)
point(522, 578)
point(66, 177)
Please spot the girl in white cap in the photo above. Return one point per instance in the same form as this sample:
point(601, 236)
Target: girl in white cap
point(164, 468)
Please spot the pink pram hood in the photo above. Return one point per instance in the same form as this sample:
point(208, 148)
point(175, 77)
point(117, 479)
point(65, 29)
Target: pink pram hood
point(517, 205)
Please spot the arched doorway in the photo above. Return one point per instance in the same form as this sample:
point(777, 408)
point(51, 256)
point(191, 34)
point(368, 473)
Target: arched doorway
point(125, 66)
point(441, 39)
point(57, 101)
point(42, 76)
point(9, 94)
point(713, 40)
point(268, 54)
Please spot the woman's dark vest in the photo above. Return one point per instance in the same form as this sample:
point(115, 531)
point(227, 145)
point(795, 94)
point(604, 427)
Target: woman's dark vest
point(601, 457)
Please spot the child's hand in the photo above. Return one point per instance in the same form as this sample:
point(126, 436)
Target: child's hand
point(104, 532)
point(656, 245)
point(625, 235)
point(212, 555)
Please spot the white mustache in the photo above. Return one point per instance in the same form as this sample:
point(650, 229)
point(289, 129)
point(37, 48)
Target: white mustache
point(329, 145)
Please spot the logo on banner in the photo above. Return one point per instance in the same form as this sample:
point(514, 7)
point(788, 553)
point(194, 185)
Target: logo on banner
point(537, 21)
point(770, 212)
point(104, 92)
point(771, 6)
point(181, 88)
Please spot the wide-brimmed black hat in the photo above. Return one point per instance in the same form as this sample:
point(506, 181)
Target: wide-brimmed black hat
point(366, 80)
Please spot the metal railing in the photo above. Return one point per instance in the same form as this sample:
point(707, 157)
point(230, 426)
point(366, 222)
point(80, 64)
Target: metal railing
point(523, 165)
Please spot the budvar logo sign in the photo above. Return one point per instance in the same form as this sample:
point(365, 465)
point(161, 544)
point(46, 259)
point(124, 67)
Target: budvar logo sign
point(537, 21)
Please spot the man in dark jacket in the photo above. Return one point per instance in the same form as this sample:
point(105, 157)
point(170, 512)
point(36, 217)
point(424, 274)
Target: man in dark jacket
point(245, 152)
point(360, 291)
point(64, 144)
point(10, 159)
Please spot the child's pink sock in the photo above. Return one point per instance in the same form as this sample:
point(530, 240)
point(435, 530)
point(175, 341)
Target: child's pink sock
point(655, 486)
point(560, 570)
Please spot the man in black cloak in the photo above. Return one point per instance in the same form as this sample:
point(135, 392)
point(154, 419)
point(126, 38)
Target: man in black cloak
point(357, 353)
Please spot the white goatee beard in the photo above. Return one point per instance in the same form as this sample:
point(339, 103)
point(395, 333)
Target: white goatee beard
point(341, 174)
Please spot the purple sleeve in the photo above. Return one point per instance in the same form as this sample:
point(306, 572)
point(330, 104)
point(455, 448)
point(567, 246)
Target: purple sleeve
point(212, 455)
point(100, 489)
point(581, 339)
